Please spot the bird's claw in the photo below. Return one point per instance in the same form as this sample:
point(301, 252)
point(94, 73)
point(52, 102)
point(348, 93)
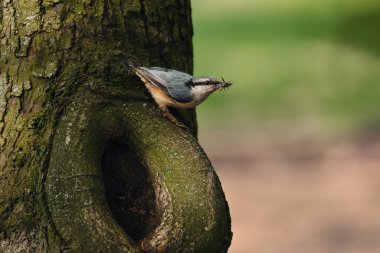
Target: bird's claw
point(173, 119)
point(180, 124)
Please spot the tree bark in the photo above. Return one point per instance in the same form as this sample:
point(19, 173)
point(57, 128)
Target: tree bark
point(88, 163)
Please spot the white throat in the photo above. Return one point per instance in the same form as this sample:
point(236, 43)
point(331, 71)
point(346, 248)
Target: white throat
point(201, 92)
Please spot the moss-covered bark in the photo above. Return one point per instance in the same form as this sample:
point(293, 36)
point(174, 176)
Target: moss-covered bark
point(87, 162)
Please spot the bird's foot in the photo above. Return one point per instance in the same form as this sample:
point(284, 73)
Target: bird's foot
point(173, 119)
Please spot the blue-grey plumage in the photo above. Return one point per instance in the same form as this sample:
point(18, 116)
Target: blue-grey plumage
point(171, 87)
point(173, 82)
point(183, 90)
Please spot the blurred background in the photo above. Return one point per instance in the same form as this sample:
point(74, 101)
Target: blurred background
point(296, 140)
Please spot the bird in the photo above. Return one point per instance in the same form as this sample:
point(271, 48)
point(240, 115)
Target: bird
point(173, 88)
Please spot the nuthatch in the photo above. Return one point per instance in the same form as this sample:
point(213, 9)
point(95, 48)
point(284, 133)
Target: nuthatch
point(174, 88)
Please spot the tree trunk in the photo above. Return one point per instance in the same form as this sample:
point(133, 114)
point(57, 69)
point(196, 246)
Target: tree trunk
point(88, 163)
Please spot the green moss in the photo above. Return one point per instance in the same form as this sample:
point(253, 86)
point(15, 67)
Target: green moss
point(40, 122)
point(20, 160)
point(66, 39)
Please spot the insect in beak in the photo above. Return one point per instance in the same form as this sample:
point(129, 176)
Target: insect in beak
point(225, 84)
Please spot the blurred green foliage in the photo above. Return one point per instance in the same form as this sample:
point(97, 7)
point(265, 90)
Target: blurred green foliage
point(290, 61)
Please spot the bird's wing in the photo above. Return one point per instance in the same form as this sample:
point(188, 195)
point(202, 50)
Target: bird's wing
point(151, 77)
point(173, 82)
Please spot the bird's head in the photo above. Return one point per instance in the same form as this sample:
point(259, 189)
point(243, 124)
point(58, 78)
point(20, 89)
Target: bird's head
point(211, 82)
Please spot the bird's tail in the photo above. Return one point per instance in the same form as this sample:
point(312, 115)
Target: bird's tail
point(129, 63)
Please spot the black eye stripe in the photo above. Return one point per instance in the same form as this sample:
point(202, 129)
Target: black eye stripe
point(190, 83)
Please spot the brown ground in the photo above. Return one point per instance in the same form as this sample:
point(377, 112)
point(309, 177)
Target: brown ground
point(300, 197)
